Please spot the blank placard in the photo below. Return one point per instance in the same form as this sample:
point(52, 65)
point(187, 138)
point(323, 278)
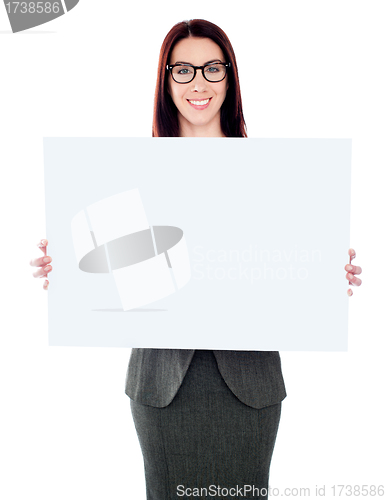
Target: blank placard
point(252, 238)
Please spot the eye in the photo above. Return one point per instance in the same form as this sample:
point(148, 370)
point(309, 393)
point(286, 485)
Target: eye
point(212, 69)
point(182, 70)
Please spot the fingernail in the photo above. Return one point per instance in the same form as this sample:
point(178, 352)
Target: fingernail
point(349, 268)
point(47, 268)
point(47, 259)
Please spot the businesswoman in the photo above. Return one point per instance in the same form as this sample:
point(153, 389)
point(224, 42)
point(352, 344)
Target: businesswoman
point(206, 420)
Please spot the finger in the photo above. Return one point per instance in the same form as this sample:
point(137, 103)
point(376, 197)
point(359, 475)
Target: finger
point(40, 261)
point(43, 246)
point(43, 271)
point(349, 292)
point(352, 254)
point(353, 280)
point(353, 269)
point(45, 285)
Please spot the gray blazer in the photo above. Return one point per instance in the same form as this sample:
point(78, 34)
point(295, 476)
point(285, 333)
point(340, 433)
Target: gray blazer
point(155, 375)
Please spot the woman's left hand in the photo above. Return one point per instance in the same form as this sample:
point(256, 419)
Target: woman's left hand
point(352, 270)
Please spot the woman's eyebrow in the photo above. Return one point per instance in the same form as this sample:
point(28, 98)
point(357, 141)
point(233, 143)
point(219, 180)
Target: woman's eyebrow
point(207, 62)
point(213, 60)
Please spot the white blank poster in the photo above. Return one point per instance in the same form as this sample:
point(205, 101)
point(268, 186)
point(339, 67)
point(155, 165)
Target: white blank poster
point(198, 243)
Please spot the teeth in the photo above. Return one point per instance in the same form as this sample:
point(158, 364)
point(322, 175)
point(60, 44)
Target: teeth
point(200, 103)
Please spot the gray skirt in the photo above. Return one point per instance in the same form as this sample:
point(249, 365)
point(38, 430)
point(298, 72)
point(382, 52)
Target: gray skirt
point(206, 442)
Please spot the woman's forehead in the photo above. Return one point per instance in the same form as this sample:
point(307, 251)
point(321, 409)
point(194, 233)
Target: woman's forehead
point(196, 51)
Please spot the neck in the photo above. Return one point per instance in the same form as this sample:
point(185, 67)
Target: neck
point(187, 129)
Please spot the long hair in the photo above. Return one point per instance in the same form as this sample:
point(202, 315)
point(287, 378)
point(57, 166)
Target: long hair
point(165, 117)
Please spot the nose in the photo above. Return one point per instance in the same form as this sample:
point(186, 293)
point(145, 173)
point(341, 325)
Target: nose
point(199, 82)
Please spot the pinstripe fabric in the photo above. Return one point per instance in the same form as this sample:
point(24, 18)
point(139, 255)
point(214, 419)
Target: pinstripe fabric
point(205, 437)
point(155, 375)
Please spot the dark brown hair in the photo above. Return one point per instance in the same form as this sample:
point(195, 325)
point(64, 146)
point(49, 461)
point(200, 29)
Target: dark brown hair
point(165, 120)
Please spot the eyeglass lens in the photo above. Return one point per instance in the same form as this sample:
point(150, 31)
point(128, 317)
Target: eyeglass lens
point(185, 74)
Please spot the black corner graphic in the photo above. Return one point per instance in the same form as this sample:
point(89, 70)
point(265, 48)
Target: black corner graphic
point(25, 15)
point(70, 4)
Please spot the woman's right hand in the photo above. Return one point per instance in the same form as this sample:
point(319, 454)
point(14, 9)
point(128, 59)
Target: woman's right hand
point(42, 262)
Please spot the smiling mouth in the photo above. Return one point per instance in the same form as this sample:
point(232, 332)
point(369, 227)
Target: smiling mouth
point(200, 102)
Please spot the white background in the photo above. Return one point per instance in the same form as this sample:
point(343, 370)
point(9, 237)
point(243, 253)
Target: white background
point(307, 69)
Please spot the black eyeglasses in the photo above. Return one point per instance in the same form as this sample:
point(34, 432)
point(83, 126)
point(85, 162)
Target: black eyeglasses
point(185, 73)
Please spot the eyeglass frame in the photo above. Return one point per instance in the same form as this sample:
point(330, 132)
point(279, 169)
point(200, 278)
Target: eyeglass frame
point(169, 67)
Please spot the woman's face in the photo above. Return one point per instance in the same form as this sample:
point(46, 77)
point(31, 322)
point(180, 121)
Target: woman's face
point(196, 115)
